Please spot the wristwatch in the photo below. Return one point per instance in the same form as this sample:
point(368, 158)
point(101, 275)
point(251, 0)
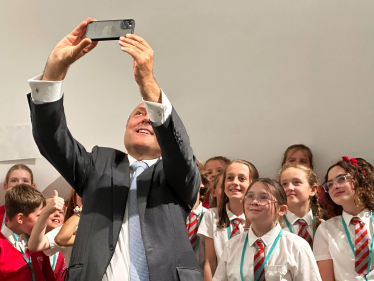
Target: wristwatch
point(78, 211)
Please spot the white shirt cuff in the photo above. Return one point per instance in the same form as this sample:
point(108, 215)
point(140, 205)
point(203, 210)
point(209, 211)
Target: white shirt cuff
point(158, 112)
point(45, 91)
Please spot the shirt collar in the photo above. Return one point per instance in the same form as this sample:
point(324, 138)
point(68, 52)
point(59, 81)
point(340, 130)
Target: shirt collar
point(364, 215)
point(149, 162)
point(232, 216)
point(267, 238)
point(292, 218)
point(198, 210)
point(8, 234)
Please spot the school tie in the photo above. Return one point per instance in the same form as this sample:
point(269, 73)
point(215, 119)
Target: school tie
point(361, 246)
point(258, 260)
point(192, 229)
point(303, 232)
point(235, 230)
point(138, 261)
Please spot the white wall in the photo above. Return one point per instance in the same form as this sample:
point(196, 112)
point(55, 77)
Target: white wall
point(248, 78)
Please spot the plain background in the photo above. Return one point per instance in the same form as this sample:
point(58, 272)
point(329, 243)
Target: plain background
point(248, 78)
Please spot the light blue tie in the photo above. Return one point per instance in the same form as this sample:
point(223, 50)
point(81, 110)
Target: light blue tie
point(138, 261)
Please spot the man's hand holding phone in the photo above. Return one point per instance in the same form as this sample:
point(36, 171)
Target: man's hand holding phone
point(71, 48)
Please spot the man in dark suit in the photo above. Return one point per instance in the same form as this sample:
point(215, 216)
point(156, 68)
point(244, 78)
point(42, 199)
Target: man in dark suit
point(107, 246)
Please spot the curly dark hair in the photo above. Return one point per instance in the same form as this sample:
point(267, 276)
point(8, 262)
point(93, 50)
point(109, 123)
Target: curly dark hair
point(363, 182)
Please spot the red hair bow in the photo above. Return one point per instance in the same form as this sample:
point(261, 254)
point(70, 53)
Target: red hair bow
point(353, 161)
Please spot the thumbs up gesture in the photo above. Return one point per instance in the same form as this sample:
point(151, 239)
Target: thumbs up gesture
point(54, 204)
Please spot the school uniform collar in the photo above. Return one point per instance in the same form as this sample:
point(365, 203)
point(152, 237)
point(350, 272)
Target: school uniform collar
point(292, 218)
point(232, 216)
point(198, 210)
point(8, 234)
point(268, 238)
point(364, 215)
point(149, 162)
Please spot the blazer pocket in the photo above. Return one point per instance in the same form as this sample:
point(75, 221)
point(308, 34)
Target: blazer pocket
point(74, 272)
point(187, 274)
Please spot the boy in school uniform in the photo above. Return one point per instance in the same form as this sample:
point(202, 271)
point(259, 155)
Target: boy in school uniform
point(23, 205)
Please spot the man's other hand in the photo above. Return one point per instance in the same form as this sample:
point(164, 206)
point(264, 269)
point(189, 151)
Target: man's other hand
point(71, 48)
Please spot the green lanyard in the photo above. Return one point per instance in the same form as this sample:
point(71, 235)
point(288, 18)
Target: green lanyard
point(265, 261)
point(290, 228)
point(198, 237)
point(352, 247)
point(28, 261)
point(3, 221)
point(54, 261)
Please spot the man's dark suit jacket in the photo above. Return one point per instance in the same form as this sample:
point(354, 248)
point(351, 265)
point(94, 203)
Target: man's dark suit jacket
point(166, 194)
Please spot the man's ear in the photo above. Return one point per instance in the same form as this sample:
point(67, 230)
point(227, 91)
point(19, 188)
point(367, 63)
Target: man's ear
point(19, 218)
point(313, 190)
point(282, 210)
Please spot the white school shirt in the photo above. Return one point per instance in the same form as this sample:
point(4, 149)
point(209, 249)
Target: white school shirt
point(50, 91)
point(295, 226)
point(22, 239)
point(331, 243)
point(200, 252)
point(54, 248)
point(208, 227)
point(292, 258)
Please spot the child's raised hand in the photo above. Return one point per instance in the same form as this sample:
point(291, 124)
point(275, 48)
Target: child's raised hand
point(55, 204)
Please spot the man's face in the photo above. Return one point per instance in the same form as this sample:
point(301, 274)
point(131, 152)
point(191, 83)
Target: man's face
point(139, 135)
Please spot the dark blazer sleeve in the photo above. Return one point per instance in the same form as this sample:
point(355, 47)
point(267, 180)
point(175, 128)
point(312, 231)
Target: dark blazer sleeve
point(56, 143)
point(181, 170)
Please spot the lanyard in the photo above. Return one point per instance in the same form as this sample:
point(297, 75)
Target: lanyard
point(352, 247)
point(54, 261)
point(265, 261)
point(198, 237)
point(290, 228)
point(3, 221)
point(28, 260)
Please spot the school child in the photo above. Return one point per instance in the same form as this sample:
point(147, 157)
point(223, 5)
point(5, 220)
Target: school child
point(193, 222)
point(266, 251)
point(228, 220)
point(304, 212)
point(343, 245)
point(23, 205)
point(17, 174)
point(51, 217)
point(213, 166)
point(216, 191)
point(298, 154)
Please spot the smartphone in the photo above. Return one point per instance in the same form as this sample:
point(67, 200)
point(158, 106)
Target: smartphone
point(109, 29)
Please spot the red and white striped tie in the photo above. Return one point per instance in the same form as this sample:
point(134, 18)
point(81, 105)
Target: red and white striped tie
point(236, 222)
point(192, 229)
point(361, 247)
point(258, 260)
point(303, 232)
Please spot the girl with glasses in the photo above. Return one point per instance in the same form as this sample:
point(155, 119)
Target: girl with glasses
point(304, 213)
point(344, 244)
point(266, 252)
point(221, 224)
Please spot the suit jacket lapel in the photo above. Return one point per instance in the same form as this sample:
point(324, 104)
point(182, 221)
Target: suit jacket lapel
point(121, 186)
point(143, 183)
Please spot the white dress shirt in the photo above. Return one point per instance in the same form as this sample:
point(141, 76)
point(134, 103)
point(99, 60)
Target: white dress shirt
point(295, 226)
point(291, 259)
point(208, 227)
point(200, 252)
point(50, 91)
point(331, 243)
point(22, 239)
